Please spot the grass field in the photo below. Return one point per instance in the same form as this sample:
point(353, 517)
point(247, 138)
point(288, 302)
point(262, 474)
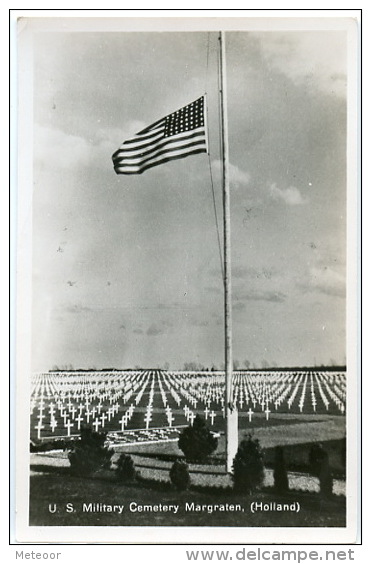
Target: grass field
point(56, 490)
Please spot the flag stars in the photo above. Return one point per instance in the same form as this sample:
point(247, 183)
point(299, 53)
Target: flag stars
point(186, 119)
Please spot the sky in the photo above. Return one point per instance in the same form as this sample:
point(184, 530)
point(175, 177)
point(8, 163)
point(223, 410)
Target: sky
point(126, 270)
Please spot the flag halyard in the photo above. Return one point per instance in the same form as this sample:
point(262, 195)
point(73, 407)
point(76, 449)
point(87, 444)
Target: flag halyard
point(176, 136)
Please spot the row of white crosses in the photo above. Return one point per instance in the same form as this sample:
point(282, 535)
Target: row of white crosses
point(201, 390)
point(74, 415)
point(169, 413)
point(188, 390)
point(336, 393)
point(71, 396)
point(149, 408)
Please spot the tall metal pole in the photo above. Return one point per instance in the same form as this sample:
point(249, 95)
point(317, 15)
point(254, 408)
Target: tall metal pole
point(231, 414)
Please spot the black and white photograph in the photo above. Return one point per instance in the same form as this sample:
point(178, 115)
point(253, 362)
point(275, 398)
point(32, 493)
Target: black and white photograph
point(187, 360)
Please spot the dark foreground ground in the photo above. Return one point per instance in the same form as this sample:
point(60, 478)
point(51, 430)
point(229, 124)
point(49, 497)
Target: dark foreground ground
point(59, 499)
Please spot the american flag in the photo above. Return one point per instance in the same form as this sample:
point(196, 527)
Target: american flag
point(175, 136)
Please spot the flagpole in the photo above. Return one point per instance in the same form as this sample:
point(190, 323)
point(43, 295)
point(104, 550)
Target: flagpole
point(231, 414)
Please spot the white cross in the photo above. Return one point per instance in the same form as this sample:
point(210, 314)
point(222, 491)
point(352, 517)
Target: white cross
point(40, 416)
point(103, 418)
point(170, 419)
point(267, 412)
point(212, 416)
point(99, 408)
point(79, 419)
point(69, 425)
point(123, 422)
point(73, 411)
point(147, 418)
point(96, 424)
point(250, 414)
point(53, 424)
point(206, 412)
point(39, 426)
point(191, 416)
point(87, 415)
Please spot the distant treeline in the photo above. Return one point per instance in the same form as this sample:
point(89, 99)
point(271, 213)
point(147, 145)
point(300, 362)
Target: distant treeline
point(331, 368)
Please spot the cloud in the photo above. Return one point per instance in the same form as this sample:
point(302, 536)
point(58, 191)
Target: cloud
point(291, 196)
point(199, 323)
point(60, 150)
point(237, 176)
point(154, 330)
point(256, 296)
point(63, 151)
point(308, 57)
point(252, 273)
point(326, 281)
point(78, 308)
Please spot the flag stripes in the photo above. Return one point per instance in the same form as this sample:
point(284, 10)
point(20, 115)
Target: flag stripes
point(176, 136)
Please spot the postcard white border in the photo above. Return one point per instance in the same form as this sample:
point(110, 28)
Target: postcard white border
point(35, 22)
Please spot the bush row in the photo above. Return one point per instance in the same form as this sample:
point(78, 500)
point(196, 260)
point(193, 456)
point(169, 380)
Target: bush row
point(90, 454)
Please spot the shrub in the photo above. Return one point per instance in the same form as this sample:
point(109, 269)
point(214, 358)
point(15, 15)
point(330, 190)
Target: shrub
point(248, 466)
point(281, 481)
point(88, 455)
point(196, 441)
point(320, 467)
point(179, 475)
point(125, 470)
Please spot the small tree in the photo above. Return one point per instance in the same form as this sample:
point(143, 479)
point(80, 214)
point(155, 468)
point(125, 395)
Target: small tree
point(281, 481)
point(196, 441)
point(89, 454)
point(179, 475)
point(248, 466)
point(125, 470)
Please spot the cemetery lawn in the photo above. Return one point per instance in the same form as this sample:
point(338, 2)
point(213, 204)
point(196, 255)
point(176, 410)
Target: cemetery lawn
point(56, 489)
point(53, 486)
